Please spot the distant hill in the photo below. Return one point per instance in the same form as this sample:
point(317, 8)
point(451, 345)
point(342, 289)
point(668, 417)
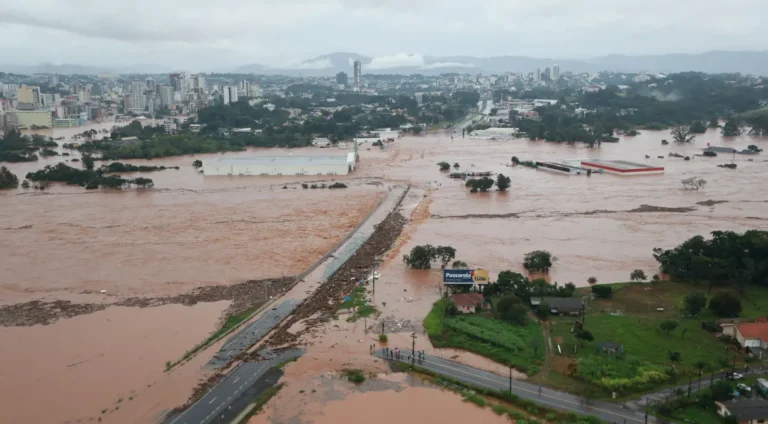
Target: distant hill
point(746, 62)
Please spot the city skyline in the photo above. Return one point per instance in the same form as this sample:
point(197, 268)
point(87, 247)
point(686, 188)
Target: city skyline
point(554, 29)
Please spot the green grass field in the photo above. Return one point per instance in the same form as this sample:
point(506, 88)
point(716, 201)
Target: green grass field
point(501, 341)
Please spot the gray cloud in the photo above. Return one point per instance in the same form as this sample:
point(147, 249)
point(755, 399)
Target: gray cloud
point(207, 35)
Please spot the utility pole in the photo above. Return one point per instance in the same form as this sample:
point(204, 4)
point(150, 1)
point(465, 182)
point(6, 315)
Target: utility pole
point(373, 274)
point(365, 325)
point(647, 402)
point(511, 367)
point(382, 326)
point(413, 350)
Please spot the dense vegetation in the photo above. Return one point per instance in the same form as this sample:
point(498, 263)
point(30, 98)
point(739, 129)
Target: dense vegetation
point(728, 258)
point(88, 178)
point(514, 283)
point(15, 147)
point(126, 167)
point(7, 178)
point(421, 257)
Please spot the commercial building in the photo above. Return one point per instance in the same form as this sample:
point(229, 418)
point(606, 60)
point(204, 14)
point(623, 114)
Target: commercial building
point(29, 95)
point(358, 68)
point(138, 99)
point(561, 168)
point(68, 123)
point(29, 118)
point(166, 95)
point(281, 165)
point(556, 72)
point(244, 87)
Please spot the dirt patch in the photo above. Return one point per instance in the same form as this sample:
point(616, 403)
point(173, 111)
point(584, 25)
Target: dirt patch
point(564, 364)
point(242, 296)
point(711, 202)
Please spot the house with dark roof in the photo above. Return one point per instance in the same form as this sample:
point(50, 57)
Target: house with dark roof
point(746, 411)
point(468, 303)
point(560, 305)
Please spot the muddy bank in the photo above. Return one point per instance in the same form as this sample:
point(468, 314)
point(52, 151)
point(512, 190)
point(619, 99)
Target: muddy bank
point(242, 296)
point(326, 300)
point(639, 209)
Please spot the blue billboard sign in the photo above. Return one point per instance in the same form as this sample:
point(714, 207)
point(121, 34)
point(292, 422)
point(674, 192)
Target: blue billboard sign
point(458, 276)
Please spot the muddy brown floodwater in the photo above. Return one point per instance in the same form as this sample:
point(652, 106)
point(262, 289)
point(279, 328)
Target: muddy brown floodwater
point(193, 231)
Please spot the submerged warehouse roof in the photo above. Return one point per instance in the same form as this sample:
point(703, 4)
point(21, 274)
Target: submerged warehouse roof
point(279, 160)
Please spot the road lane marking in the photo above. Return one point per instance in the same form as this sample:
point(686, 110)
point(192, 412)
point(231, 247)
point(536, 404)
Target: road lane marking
point(212, 400)
point(235, 381)
point(533, 392)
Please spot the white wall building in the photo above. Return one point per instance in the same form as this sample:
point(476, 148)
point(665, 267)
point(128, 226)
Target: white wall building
point(281, 165)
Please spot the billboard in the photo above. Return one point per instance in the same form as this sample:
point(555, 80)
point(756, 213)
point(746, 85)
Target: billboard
point(465, 276)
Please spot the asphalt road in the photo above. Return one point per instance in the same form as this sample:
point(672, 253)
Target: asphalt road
point(606, 411)
point(252, 333)
point(217, 402)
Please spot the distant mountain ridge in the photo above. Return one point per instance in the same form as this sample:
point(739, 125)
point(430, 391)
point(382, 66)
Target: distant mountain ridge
point(745, 62)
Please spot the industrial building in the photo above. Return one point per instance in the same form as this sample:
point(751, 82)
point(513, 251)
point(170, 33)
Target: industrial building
point(561, 168)
point(281, 165)
point(620, 167)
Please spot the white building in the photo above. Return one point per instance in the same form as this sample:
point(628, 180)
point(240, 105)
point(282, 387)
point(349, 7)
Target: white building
point(281, 165)
point(138, 99)
point(170, 126)
point(166, 95)
point(229, 94)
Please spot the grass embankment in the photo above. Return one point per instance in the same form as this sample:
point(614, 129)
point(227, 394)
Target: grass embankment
point(501, 341)
point(359, 304)
point(524, 411)
point(230, 324)
point(260, 401)
point(630, 318)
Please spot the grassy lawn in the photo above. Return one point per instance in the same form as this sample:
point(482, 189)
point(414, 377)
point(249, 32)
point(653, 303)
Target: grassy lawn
point(692, 414)
point(359, 304)
point(482, 334)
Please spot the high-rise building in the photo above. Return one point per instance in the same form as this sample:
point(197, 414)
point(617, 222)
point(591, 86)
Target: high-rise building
point(29, 94)
point(548, 72)
point(137, 95)
point(358, 68)
point(200, 82)
point(537, 75)
point(127, 102)
point(177, 81)
point(255, 91)
point(232, 93)
point(341, 79)
point(151, 84)
point(556, 72)
point(166, 95)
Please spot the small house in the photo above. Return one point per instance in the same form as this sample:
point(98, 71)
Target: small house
point(746, 411)
point(752, 336)
point(560, 305)
point(468, 303)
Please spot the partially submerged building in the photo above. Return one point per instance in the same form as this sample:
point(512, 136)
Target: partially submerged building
point(281, 165)
point(620, 167)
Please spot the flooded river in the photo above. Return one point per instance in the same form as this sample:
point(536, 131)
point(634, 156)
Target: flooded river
point(192, 231)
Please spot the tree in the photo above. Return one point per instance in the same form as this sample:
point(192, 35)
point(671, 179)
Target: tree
point(675, 357)
point(8, 179)
point(592, 280)
point(445, 254)
point(682, 134)
point(482, 184)
point(444, 166)
point(725, 305)
point(700, 366)
point(88, 162)
point(502, 182)
point(515, 160)
point(698, 127)
point(637, 275)
point(713, 123)
point(584, 336)
point(694, 183)
point(602, 291)
point(733, 127)
point(459, 265)
point(695, 301)
point(142, 182)
point(197, 163)
point(456, 165)
point(721, 391)
point(510, 308)
point(538, 261)
point(420, 257)
point(668, 326)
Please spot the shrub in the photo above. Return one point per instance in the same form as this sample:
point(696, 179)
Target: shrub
point(695, 301)
point(709, 154)
point(510, 308)
point(197, 163)
point(618, 374)
point(459, 264)
point(444, 166)
point(592, 280)
point(305, 186)
point(383, 338)
point(355, 376)
point(337, 185)
point(602, 291)
point(7, 178)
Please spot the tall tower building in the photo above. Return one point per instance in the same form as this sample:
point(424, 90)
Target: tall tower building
point(537, 75)
point(137, 95)
point(177, 81)
point(341, 79)
point(166, 95)
point(358, 67)
point(556, 72)
point(151, 84)
point(29, 95)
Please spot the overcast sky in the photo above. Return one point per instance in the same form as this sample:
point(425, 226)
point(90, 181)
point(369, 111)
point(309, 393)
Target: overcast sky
point(208, 35)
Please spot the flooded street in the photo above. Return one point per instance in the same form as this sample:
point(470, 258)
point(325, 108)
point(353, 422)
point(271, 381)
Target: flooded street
point(193, 231)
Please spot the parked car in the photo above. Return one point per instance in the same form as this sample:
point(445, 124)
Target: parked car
point(733, 375)
point(744, 389)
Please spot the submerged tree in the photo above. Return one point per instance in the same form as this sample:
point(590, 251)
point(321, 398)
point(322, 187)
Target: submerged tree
point(682, 134)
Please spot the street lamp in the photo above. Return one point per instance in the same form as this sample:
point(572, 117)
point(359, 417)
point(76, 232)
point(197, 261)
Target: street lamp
point(511, 367)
